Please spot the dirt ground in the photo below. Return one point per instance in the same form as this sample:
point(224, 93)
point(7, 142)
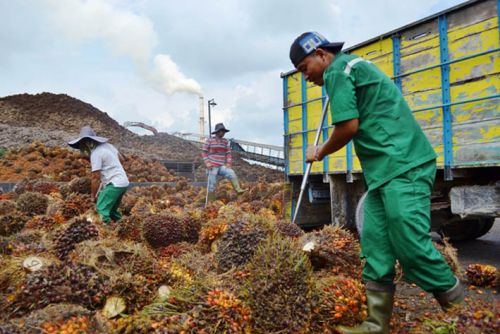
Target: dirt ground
point(483, 250)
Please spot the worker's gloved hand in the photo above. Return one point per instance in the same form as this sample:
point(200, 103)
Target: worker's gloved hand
point(312, 153)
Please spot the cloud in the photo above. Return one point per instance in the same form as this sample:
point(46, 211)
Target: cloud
point(137, 59)
point(124, 32)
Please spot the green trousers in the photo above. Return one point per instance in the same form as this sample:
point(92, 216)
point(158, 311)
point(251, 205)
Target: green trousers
point(108, 201)
point(396, 227)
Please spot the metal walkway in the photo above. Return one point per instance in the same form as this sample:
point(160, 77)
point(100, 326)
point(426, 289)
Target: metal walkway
point(263, 153)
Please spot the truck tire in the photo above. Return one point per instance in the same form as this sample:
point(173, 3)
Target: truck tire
point(469, 228)
point(360, 214)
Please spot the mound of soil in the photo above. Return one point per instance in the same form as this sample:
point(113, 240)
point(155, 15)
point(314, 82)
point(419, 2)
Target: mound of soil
point(54, 119)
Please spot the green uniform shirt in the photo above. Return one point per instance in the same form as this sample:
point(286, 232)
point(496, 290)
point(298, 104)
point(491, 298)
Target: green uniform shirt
point(389, 140)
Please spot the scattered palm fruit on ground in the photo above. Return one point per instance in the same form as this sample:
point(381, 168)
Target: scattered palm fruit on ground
point(235, 266)
point(481, 275)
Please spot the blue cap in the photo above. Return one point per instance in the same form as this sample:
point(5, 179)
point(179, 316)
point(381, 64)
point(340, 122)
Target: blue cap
point(307, 43)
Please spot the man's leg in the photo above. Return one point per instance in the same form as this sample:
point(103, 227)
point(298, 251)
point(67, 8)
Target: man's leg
point(212, 182)
point(376, 247)
point(231, 175)
point(378, 272)
point(115, 214)
point(407, 203)
point(105, 203)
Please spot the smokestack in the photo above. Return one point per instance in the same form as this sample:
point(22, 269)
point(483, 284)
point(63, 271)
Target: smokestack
point(202, 119)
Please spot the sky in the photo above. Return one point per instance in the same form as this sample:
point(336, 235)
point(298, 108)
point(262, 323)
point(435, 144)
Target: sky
point(151, 60)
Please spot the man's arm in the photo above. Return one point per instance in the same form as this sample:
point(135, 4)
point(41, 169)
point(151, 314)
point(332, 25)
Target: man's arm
point(122, 158)
point(95, 180)
point(204, 153)
point(341, 135)
point(229, 155)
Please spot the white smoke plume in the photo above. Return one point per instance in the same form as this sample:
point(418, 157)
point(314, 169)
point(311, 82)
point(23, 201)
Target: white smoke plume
point(125, 33)
point(171, 79)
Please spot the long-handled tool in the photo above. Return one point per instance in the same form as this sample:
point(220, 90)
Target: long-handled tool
point(309, 164)
point(208, 182)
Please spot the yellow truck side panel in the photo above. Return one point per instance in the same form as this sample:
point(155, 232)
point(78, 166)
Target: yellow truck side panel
point(473, 32)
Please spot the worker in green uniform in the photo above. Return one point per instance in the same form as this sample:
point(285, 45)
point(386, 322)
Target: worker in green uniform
point(399, 167)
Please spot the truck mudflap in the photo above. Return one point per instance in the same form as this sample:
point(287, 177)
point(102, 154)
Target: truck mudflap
point(476, 200)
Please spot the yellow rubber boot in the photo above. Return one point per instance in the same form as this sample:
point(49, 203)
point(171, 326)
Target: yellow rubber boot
point(236, 186)
point(379, 313)
point(211, 197)
point(451, 298)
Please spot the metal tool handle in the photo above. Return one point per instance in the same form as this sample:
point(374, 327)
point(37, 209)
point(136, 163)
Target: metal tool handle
point(309, 164)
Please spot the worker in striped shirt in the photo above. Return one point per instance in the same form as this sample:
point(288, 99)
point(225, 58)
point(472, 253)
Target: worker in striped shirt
point(217, 157)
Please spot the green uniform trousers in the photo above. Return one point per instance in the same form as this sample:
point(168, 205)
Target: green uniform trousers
point(108, 201)
point(396, 227)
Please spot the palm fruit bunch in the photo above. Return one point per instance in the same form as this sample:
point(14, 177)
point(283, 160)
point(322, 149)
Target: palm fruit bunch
point(11, 329)
point(192, 227)
point(210, 232)
point(7, 207)
point(143, 207)
point(238, 244)
point(341, 301)
point(111, 256)
point(45, 187)
point(333, 248)
point(6, 246)
point(32, 203)
point(163, 230)
point(65, 283)
point(450, 255)
point(220, 312)
point(41, 223)
point(77, 231)
point(11, 224)
point(76, 204)
point(230, 212)
point(136, 324)
point(482, 275)
point(211, 211)
point(278, 287)
point(29, 241)
point(288, 229)
point(73, 325)
point(175, 274)
point(195, 263)
point(24, 185)
point(128, 202)
point(175, 250)
point(129, 228)
point(136, 290)
point(80, 185)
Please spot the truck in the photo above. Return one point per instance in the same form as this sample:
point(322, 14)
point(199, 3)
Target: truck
point(447, 67)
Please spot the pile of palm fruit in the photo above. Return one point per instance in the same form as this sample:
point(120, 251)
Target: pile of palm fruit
point(60, 164)
point(172, 265)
